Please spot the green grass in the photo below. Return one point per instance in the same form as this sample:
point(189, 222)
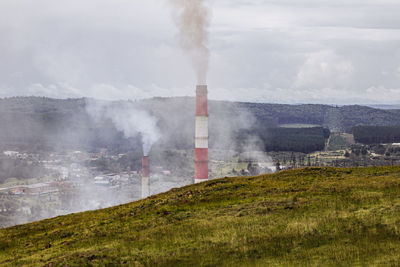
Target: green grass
point(340, 141)
point(309, 217)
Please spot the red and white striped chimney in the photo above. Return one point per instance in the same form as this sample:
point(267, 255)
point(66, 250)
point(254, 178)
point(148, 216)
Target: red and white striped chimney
point(145, 177)
point(201, 136)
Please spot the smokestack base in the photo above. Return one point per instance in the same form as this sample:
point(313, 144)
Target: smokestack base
point(145, 177)
point(145, 187)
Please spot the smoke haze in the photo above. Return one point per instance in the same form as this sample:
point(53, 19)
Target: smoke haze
point(192, 17)
point(127, 119)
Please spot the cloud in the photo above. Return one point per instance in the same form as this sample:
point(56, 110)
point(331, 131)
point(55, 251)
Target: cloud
point(324, 69)
point(308, 47)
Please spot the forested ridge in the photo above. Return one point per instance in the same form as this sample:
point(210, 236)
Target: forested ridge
point(41, 123)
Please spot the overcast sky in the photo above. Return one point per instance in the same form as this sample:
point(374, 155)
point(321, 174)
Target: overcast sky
point(281, 51)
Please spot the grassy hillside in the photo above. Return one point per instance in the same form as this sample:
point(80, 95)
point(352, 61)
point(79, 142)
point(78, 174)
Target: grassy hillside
point(313, 217)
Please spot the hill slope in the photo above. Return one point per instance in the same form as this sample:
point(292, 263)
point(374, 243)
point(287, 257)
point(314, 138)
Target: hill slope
point(313, 216)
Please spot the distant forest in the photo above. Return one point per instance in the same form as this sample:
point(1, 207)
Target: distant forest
point(39, 123)
point(377, 134)
point(304, 140)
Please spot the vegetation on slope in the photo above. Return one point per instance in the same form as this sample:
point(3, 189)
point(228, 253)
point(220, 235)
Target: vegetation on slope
point(339, 141)
point(314, 216)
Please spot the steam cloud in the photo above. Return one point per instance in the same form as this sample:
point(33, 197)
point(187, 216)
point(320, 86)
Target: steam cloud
point(192, 17)
point(127, 119)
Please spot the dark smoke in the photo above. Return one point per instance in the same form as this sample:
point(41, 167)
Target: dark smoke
point(193, 18)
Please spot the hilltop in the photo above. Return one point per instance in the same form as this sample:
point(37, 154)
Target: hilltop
point(313, 216)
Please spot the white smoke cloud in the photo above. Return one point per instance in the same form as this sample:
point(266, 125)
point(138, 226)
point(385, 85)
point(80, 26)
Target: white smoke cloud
point(128, 120)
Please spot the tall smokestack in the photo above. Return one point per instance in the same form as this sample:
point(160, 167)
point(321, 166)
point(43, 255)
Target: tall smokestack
point(201, 136)
point(145, 177)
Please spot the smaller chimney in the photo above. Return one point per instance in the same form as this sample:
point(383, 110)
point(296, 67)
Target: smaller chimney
point(145, 177)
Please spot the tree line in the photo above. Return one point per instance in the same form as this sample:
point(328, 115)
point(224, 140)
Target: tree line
point(303, 140)
point(376, 134)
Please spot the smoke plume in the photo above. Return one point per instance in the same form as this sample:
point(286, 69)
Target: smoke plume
point(192, 18)
point(128, 120)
